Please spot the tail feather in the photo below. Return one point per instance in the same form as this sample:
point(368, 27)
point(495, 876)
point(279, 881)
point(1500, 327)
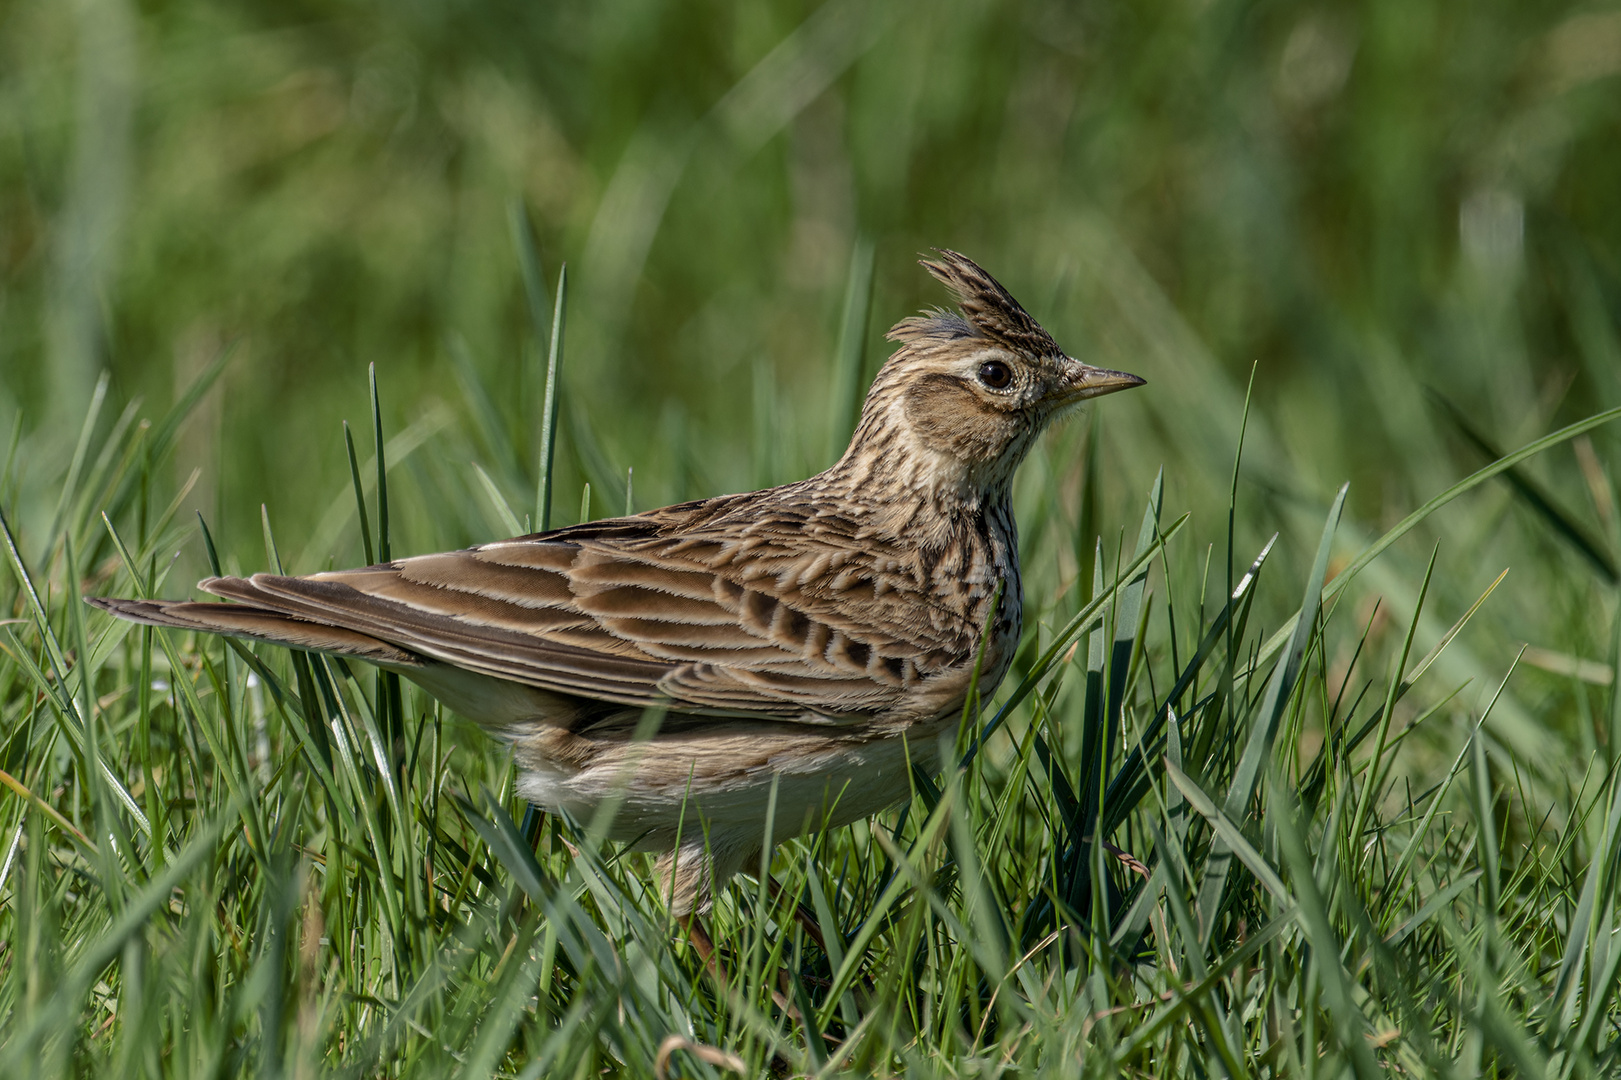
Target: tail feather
point(260, 624)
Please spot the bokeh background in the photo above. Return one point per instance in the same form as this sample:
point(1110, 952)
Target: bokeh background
point(1402, 216)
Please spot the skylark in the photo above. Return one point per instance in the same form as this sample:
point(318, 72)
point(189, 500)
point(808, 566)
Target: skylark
point(820, 635)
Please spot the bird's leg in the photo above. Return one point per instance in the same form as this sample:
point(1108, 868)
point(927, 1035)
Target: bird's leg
point(807, 922)
point(802, 915)
point(813, 930)
point(1127, 859)
point(704, 946)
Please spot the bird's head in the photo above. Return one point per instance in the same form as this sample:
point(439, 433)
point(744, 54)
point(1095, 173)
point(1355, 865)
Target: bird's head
point(959, 404)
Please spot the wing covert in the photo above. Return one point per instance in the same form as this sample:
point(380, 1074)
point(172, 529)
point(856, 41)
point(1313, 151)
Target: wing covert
point(816, 621)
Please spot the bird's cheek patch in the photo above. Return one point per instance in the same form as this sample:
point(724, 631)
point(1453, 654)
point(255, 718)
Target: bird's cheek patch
point(949, 417)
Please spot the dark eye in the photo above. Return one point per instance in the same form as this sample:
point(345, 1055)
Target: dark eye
point(995, 374)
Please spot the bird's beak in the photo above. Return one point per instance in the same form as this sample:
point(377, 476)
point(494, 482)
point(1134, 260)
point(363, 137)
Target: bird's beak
point(1084, 381)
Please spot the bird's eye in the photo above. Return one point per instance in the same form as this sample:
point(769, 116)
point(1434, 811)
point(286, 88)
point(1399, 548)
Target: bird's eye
point(995, 374)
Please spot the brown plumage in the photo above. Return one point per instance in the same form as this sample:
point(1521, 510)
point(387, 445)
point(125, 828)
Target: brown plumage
point(819, 635)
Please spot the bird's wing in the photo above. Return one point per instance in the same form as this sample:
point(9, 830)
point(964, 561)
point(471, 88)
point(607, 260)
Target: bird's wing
point(783, 616)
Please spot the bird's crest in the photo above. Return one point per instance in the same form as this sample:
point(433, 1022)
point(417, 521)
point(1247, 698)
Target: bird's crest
point(990, 309)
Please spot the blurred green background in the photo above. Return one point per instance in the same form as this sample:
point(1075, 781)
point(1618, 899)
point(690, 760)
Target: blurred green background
point(1372, 206)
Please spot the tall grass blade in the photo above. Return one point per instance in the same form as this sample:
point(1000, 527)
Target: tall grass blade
point(529, 266)
point(1564, 525)
point(489, 427)
point(1258, 749)
point(1078, 624)
point(384, 552)
point(1351, 1025)
point(167, 429)
point(554, 392)
point(208, 546)
point(1130, 779)
point(360, 497)
point(850, 355)
point(141, 906)
point(1597, 888)
point(1412, 520)
point(498, 502)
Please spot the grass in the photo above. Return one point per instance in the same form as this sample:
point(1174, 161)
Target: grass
point(1287, 780)
point(1176, 843)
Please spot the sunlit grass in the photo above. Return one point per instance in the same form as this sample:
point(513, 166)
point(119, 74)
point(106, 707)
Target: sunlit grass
point(1381, 240)
point(249, 861)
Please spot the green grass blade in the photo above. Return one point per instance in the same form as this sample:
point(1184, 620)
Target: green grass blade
point(850, 355)
point(1131, 774)
point(1264, 726)
point(81, 451)
point(1230, 834)
point(1564, 525)
point(360, 496)
point(380, 450)
point(140, 907)
point(498, 502)
point(489, 427)
point(272, 553)
point(534, 281)
point(208, 547)
point(1078, 624)
point(1373, 777)
point(1412, 520)
point(554, 396)
point(1350, 1023)
point(167, 429)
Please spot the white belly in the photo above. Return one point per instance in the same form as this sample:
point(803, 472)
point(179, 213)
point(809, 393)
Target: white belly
point(719, 779)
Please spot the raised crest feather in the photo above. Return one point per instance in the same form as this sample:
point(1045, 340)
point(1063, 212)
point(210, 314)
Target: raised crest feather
point(989, 307)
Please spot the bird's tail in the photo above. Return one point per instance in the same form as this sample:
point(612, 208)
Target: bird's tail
point(259, 624)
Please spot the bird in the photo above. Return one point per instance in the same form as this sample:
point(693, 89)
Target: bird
point(808, 644)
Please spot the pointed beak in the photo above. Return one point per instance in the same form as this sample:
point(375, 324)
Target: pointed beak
point(1084, 381)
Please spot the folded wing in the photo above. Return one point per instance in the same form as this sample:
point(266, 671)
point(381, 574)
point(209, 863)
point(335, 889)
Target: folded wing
point(788, 615)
